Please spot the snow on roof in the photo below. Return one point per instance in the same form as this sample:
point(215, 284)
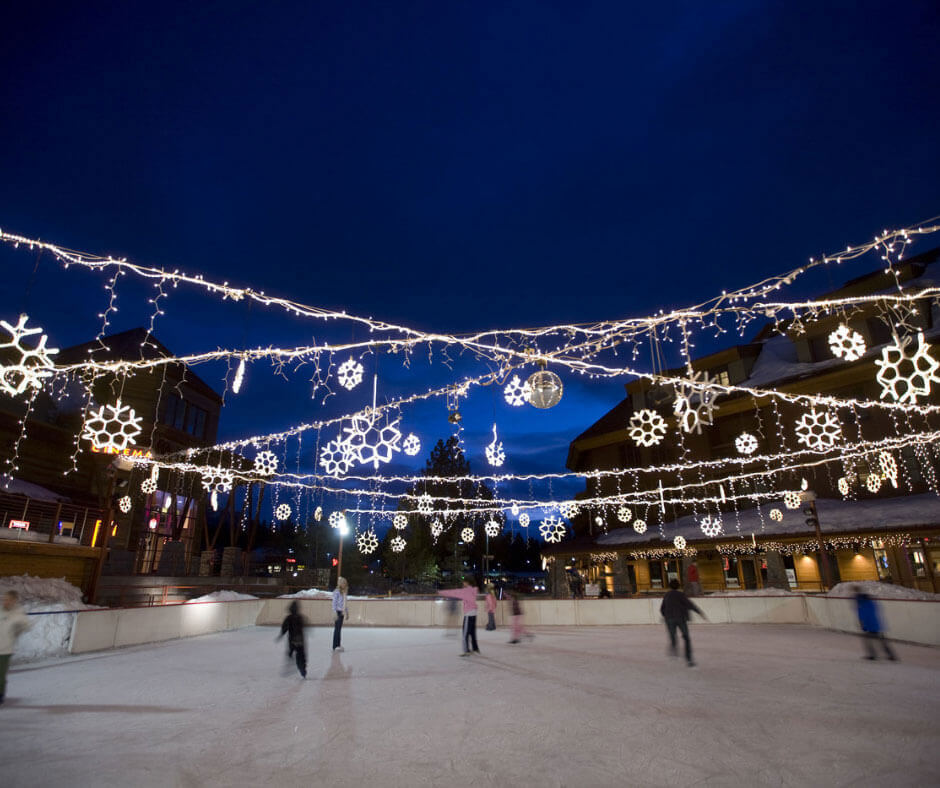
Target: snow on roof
point(30, 490)
point(908, 511)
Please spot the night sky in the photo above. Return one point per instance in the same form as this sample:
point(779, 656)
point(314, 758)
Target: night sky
point(452, 166)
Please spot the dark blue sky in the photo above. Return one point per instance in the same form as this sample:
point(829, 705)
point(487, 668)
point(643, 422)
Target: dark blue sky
point(456, 166)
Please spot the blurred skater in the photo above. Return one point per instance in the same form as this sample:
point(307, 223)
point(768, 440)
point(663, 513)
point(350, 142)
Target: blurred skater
point(490, 601)
point(675, 609)
point(452, 623)
point(13, 623)
point(518, 625)
point(870, 622)
point(339, 611)
point(467, 595)
point(692, 586)
point(293, 626)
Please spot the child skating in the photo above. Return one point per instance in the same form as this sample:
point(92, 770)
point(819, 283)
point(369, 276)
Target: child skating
point(467, 595)
point(293, 626)
point(518, 624)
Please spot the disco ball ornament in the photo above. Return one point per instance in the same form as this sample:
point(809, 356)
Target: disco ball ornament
point(545, 388)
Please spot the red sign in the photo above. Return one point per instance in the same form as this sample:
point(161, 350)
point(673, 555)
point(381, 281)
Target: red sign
point(24, 524)
point(335, 562)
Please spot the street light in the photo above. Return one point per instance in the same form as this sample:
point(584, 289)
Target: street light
point(343, 529)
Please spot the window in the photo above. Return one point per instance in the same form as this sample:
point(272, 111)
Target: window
point(184, 416)
point(819, 349)
point(721, 377)
point(879, 332)
point(731, 572)
point(656, 574)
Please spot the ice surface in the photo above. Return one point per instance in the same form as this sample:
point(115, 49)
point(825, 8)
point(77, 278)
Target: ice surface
point(221, 596)
point(598, 706)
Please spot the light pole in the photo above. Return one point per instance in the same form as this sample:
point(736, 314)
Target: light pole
point(343, 529)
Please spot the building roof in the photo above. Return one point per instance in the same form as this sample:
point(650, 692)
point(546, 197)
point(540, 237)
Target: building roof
point(30, 490)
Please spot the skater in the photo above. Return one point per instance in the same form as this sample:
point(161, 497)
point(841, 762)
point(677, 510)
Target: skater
point(692, 586)
point(490, 608)
point(339, 611)
point(675, 609)
point(468, 595)
point(13, 623)
point(294, 627)
point(518, 627)
point(870, 622)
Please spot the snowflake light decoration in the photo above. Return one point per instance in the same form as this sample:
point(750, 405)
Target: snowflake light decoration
point(552, 529)
point(679, 542)
point(873, 482)
point(889, 467)
point(371, 443)
point(514, 509)
point(336, 458)
point(112, 427)
point(818, 430)
point(491, 528)
point(776, 515)
point(711, 526)
point(33, 364)
point(411, 445)
point(336, 519)
point(437, 528)
point(367, 542)
point(568, 509)
point(745, 443)
point(624, 514)
point(524, 520)
point(265, 463)
point(693, 414)
point(125, 504)
point(217, 480)
point(639, 526)
point(397, 544)
point(904, 375)
point(349, 374)
point(148, 486)
point(847, 344)
point(425, 503)
point(400, 521)
point(467, 534)
point(517, 391)
point(495, 455)
point(792, 499)
point(647, 427)
point(318, 513)
point(282, 512)
point(843, 485)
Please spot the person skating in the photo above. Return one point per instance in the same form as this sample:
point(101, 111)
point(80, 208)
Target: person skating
point(293, 626)
point(675, 610)
point(13, 623)
point(870, 622)
point(490, 600)
point(467, 595)
point(518, 627)
point(339, 611)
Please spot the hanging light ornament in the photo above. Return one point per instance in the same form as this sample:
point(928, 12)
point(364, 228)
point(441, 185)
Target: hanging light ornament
point(524, 520)
point(411, 445)
point(679, 542)
point(491, 528)
point(467, 534)
point(776, 515)
point(437, 528)
point(125, 504)
point(400, 521)
point(639, 526)
point(624, 514)
point(545, 388)
point(367, 542)
point(397, 544)
point(282, 512)
point(33, 364)
point(239, 376)
point(495, 455)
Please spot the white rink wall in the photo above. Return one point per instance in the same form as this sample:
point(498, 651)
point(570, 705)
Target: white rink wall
point(95, 630)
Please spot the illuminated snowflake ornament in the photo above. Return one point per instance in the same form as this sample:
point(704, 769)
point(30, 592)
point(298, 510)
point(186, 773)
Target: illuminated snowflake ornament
point(679, 542)
point(349, 374)
point(400, 521)
point(517, 391)
point(112, 427)
point(491, 528)
point(425, 503)
point(514, 509)
point(367, 542)
point(624, 514)
point(217, 480)
point(411, 445)
point(318, 513)
point(397, 544)
point(282, 512)
point(33, 364)
point(792, 499)
point(552, 529)
point(337, 519)
point(467, 535)
point(265, 463)
point(873, 482)
point(905, 375)
point(495, 455)
point(336, 458)
point(843, 485)
point(745, 443)
point(847, 344)
point(524, 520)
point(889, 467)
point(371, 443)
point(125, 504)
point(776, 515)
point(148, 486)
point(818, 430)
point(647, 427)
point(437, 528)
point(695, 402)
point(711, 526)
point(639, 526)
point(568, 509)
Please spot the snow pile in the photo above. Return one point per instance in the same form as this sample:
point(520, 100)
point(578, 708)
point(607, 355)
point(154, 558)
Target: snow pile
point(316, 593)
point(221, 596)
point(882, 591)
point(752, 592)
point(51, 603)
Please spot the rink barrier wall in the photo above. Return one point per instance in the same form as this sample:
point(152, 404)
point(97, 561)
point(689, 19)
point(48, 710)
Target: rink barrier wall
point(913, 621)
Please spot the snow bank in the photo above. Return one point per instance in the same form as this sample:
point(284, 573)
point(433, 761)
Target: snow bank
point(316, 593)
point(221, 596)
point(882, 591)
point(752, 592)
point(51, 603)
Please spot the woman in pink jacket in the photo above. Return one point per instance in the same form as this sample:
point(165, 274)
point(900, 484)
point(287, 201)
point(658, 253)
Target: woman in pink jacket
point(467, 595)
point(490, 600)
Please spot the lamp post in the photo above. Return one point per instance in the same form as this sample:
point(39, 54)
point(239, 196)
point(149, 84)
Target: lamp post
point(812, 520)
point(343, 529)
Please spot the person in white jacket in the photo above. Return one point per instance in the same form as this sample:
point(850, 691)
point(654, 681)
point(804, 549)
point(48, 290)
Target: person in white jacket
point(13, 623)
point(340, 612)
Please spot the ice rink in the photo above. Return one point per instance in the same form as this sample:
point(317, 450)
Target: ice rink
point(589, 706)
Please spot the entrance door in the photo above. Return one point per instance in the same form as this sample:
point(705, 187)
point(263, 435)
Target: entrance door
point(749, 573)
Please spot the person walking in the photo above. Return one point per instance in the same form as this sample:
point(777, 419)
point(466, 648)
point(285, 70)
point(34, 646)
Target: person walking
point(467, 595)
point(870, 622)
point(490, 601)
point(339, 611)
point(675, 610)
point(293, 626)
point(13, 623)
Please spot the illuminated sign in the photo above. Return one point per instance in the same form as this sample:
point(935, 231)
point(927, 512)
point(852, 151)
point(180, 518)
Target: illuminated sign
point(134, 453)
point(154, 523)
point(24, 524)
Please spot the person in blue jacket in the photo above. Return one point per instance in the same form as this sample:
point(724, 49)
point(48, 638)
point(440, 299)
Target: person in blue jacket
point(870, 622)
